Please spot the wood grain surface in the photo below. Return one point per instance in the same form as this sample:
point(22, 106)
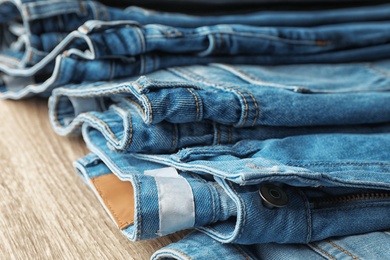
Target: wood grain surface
point(46, 211)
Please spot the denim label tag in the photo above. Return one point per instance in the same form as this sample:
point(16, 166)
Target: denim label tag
point(163, 172)
point(175, 200)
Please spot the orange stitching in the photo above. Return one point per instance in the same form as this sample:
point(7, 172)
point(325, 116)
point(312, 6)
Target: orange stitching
point(141, 37)
point(130, 138)
point(195, 77)
point(96, 10)
point(135, 104)
point(104, 125)
point(322, 251)
point(342, 249)
point(105, 13)
point(196, 103)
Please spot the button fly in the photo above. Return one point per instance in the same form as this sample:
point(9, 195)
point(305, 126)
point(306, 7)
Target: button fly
point(273, 196)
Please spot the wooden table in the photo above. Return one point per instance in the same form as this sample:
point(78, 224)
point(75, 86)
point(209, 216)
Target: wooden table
point(46, 211)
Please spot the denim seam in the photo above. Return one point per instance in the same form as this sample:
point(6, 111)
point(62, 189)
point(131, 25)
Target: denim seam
point(223, 235)
point(243, 210)
point(256, 107)
point(213, 46)
point(308, 215)
point(243, 99)
point(127, 140)
point(95, 11)
point(262, 36)
point(242, 74)
point(105, 13)
point(214, 217)
point(195, 77)
point(317, 249)
point(150, 108)
point(55, 114)
point(340, 163)
point(239, 91)
point(144, 99)
point(83, 8)
point(342, 249)
point(139, 215)
point(28, 55)
point(222, 42)
point(26, 11)
point(174, 137)
point(175, 253)
point(377, 70)
point(196, 103)
point(141, 39)
point(133, 103)
point(373, 204)
point(104, 124)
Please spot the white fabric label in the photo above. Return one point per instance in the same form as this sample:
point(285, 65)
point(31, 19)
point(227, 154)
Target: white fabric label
point(163, 172)
point(81, 105)
point(176, 200)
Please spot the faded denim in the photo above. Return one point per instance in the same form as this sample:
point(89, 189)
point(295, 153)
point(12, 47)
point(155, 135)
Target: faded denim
point(247, 96)
point(365, 246)
point(28, 65)
point(326, 177)
point(125, 131)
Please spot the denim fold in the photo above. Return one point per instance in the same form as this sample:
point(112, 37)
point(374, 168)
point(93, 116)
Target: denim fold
point(324, 177)
point(140, 41)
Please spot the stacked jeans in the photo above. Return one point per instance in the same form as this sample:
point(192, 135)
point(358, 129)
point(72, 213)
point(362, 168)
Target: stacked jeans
point(263, 158)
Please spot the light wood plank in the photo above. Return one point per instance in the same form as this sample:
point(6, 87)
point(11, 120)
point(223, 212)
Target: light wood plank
point(46, 211)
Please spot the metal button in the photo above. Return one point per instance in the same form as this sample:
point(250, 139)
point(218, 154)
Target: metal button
point(273, 196)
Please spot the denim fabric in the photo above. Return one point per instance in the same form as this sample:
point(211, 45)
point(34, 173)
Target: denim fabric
point(41, 25)
point(366, 246)
point(336, 185)
point(133, 48)
point(125, 131)
point(59, 17)
point(245, 96)
point(200, 246)
point(363, 40)
point(211, 202)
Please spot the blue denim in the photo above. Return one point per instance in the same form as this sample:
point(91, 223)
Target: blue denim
point(366, 246)
point(247, 96)
point(211, 202)
point(335, 184)
point(125, 131)
point(363, 40)
point(44, 24)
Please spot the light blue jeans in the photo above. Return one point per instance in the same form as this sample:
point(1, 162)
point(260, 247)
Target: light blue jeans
point(135, 49)
point(297, 189)
point(91, 107)
point(239, 95)
point(365, 246)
